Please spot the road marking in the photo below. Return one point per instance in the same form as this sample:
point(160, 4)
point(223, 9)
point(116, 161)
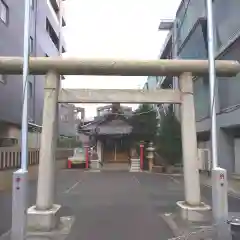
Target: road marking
point(73, 186)
point(174, 180)
point(135, 178)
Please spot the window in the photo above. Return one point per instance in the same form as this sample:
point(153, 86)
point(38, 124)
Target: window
point(30, 90)
point(227, 27)
point(196, 38)
point(188, 14)
point(3, 79)
point(31, 45)
point(4, 12)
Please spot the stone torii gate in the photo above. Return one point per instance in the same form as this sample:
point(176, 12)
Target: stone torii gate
point(43, 216)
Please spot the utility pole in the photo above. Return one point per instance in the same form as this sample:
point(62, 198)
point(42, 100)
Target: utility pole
point(219, 176)
point(20, 177)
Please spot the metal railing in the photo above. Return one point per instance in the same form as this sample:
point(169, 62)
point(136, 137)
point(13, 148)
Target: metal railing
point(10, 157)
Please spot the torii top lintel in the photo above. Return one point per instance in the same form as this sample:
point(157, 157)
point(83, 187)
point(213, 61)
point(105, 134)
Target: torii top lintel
point(116, 67)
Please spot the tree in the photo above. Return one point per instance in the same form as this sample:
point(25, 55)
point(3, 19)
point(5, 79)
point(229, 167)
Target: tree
point(144, 123)
point(166, 138)
point(168, 143)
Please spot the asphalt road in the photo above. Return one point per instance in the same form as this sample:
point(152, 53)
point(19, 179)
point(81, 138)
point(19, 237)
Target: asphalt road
point(118, 205)
point(108, 205)
point(114, 205)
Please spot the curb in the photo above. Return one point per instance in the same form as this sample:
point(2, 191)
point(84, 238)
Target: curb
point(189, 232)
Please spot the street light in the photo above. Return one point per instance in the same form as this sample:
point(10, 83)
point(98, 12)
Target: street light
point(219, 176)
point(20, 177)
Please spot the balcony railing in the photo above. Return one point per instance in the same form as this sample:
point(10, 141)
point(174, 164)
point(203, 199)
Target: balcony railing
point(55, 5)
point(161, 79)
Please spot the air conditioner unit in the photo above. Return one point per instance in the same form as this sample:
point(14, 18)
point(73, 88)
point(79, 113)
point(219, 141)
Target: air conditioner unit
point(204, 159)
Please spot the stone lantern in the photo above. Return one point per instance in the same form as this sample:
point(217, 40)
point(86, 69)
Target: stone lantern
point(150, 155)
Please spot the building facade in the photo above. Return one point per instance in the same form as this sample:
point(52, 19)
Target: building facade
point(191, 42)
point(44, 41)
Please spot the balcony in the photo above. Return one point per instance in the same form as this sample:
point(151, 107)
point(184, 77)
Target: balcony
point(160, 81)
point(188, 14)
point(55, 5)
point(56, 8)
point(161, 109)
point(63, 22)
point(52, 34)
point(164, 82)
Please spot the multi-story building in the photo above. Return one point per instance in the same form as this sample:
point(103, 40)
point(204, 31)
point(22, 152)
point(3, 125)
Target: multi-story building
point(44, 41)
point(191, 42)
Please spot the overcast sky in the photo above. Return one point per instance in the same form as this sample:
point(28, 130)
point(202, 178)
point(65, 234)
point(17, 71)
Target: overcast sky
point(126, 29)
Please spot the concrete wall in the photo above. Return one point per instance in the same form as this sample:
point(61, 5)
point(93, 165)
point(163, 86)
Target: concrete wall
point(10, 161)
point(6, 176)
